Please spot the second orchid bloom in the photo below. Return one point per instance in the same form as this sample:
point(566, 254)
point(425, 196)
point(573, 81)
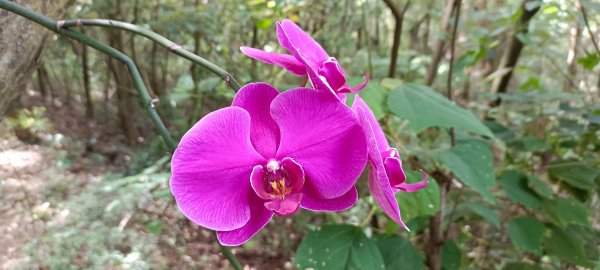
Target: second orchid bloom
point(273, 153)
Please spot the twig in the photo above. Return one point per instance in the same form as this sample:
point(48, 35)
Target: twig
point(587, 26)
point(451, 64)
point(147, 33)
point(367, 219)
point(452, 213)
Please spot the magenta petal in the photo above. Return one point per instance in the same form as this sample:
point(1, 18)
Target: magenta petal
point(323, 135)
point(414, 186)
point(259, 218)
point(295, 173)
point(379, 183)
point(285, 207)
point(318, 82)
point(292, 38)
point(384, 195)
point(258, 183)
point(211, 170)
point(286, 61)
point(393, 169)
point(312, 201)
point(377, 132)
point(333, 73)
point(360, 86)
point(256, 98)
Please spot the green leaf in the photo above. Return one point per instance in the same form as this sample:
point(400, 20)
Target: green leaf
point(526, 234)
point(338, 247)
point(399, 253)
point(568, 245)
point(515, 185)
point(471, 162)
point(589, 61)
point(528, 143)
point(424, 107)
point(540, 187)
point(575, 173)
point(451, 256)
point(565, 211)
point(425, 202)
point(374, 95)
point(501, 132)
point(391, 83)
point(486, 213)
point(263, 24)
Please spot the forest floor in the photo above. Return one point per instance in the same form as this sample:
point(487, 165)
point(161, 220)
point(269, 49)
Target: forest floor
point(43, 183)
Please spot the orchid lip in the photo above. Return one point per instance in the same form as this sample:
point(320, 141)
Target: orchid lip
point(279, 184)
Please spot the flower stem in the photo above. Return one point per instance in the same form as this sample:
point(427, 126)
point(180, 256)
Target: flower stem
point(133, 71)
point(170, 45)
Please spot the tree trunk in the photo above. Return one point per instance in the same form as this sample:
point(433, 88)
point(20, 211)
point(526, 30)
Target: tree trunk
point(126, 104)
point(440, 43)
point(573, 50)
point(89, 105)
point(399, 20)
point(22, 45)
point(126, 100)
point(195, 70)
point(512, 51)
point(41, 85)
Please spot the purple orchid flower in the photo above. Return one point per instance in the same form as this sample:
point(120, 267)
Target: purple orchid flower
point(386, 176)
point(268, 153)
point(307, 59)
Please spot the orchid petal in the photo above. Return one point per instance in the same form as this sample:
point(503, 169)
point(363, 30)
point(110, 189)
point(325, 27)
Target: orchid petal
point(380, 139)
point(331, 70)
point(414, 186)
point(259, 218)
point(258, 183)
point(292, 38)
point(379, 183)
point(211, 170)
point(318, 82)
point(313, 202)
point(384, 195)
point(285, 207)
point(360, 86)
point(256, 98)
point(322, 135)
point(286, 61)
point(295, 173)
point(393, 169)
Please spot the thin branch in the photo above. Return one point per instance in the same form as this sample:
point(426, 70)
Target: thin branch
point(451, 64)
point(587, 25)
point(147, 33)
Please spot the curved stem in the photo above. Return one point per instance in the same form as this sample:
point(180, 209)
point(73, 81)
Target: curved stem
point(147, 33)
point(133, 71)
